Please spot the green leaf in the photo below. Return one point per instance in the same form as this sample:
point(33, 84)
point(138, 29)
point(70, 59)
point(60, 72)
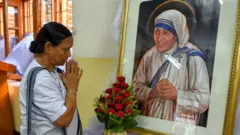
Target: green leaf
point(130, 89)
point(101, 117)
point(136, 112)
point(120, 129)
point(113, 130)
point(113, 122)
point(102, 106)
point(135, 106)
point(117, 129)
point(131, 123)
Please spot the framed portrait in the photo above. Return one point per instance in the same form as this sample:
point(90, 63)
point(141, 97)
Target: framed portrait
point(182, 57)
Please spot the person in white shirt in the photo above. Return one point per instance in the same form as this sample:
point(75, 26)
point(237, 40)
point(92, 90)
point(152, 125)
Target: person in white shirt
point(54, 108)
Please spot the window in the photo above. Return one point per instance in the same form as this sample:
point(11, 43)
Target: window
point(63, 12)
point(13, 26)
point(55, 10)
point(1, 22)
point(46, 11)
point(67, 14)
point(21, 20)
point(28, 16)
point(12, 21)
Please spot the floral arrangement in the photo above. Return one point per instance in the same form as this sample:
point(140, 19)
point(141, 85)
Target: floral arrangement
point(116, 107)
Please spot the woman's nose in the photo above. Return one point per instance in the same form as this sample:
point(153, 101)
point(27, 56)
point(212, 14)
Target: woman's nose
point(160, 35)
point(69, 53)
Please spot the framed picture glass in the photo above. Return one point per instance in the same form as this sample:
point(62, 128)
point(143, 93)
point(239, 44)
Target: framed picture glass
point(182, 57)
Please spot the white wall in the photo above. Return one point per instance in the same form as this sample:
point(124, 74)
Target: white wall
point(94, 49)
point(92, 20)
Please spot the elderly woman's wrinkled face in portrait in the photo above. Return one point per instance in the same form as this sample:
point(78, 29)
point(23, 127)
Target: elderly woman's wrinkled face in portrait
point(164, 40)
point(60, 54)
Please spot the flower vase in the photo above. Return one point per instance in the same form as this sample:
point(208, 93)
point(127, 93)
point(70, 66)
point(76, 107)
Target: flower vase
point(106, 132)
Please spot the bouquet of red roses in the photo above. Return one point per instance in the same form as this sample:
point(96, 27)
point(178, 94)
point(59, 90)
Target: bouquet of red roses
point(116, 107)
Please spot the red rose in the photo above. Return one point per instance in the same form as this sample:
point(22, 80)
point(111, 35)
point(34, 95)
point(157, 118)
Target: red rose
point(117, 85)
point(129, 112)
point(119, 98)
point(121, 79)
point(109, 96)
point(117, 90)
point(110, 104)
point(118, 106)
point(99, 110)
point(111, 111)
point(109, 90)
point(124, 85)
point(102, 99)
point(125, 94)
point(126, 103)
point(120, 114)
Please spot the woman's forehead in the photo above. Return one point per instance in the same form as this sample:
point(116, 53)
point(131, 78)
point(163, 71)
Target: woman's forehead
point(67, 42)
point(162, 29)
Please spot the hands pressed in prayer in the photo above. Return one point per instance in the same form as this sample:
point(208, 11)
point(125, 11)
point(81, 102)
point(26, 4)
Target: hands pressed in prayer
point(166, 90)
point(72, 76)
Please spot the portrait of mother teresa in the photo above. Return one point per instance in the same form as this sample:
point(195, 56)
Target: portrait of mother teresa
point(172, 81)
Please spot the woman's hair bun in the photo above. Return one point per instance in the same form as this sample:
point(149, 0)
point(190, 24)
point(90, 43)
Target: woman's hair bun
point(33, 46)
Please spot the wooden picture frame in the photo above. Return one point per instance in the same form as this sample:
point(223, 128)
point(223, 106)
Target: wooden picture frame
point(224, 63)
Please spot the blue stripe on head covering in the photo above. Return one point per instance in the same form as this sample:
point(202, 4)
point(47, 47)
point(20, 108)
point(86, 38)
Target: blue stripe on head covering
point(165, 21)
point(167, 25)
